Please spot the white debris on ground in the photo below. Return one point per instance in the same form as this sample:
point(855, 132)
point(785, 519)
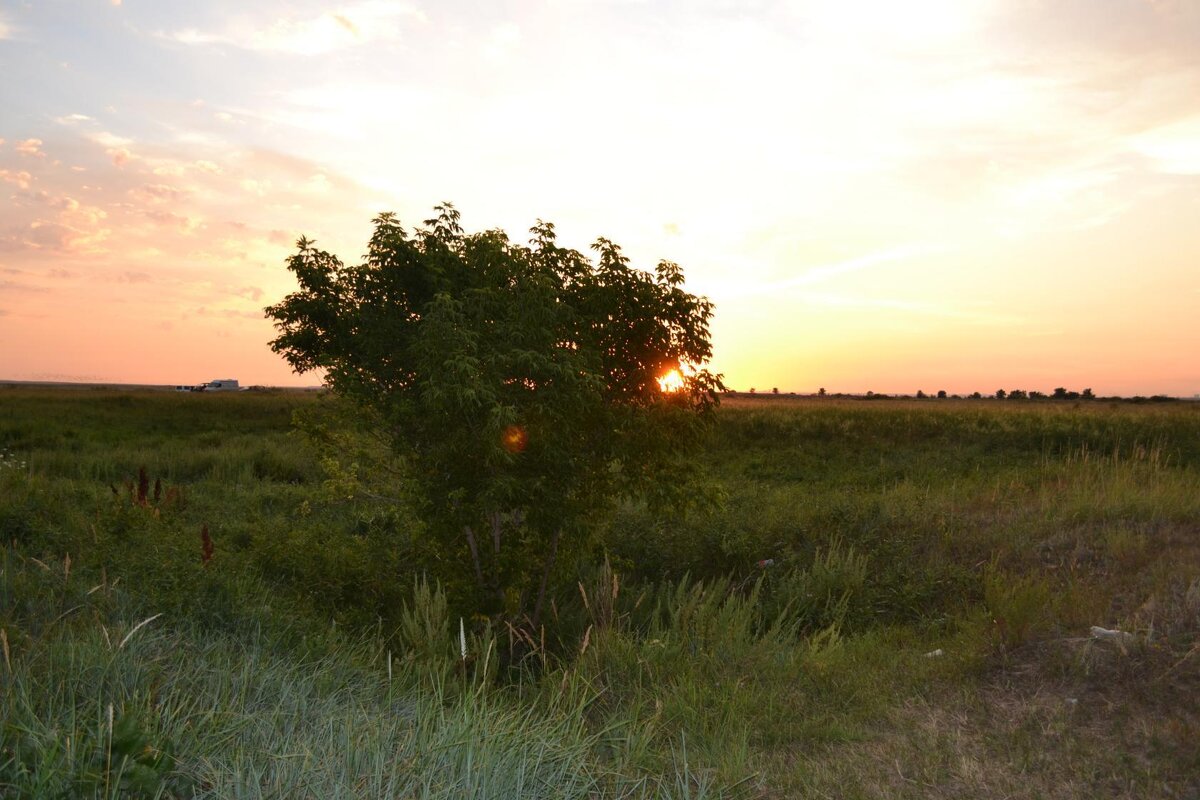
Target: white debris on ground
point(1118, 636)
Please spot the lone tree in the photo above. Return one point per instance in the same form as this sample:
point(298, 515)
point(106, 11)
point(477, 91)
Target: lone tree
point(525, 388)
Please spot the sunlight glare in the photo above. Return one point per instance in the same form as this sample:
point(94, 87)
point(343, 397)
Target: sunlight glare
point(670, 382)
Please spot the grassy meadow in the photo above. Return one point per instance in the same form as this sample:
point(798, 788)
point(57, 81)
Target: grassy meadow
point(868, 599)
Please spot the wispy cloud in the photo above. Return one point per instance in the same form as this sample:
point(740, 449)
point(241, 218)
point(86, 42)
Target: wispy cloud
point(973, 316)
point(809, 275)
point(374, 20)
point(1173, 148)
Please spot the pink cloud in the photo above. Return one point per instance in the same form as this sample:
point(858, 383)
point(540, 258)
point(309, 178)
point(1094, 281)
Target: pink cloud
point(15, 286)
point(228, 313)
point(22, 179)
point(160, 191)
point(119, 155)
point(250, 293)
point(49, 235)
point(183, 223)
point(31, 148)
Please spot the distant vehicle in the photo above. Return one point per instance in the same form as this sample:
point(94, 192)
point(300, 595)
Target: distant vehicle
point(218, 385)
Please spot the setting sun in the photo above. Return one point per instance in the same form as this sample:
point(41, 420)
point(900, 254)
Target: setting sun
point(671, 381)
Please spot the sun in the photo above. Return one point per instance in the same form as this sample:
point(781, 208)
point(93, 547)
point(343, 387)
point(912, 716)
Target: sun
point(670, 382)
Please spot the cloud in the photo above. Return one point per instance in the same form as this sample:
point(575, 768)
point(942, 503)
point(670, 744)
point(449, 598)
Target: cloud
point(120, 156)
point(157, 192)
point(6, 28)
point(1172, 148)
point(30, 147)
point(109, 139)
point(250, 293)
point(374, 20)
point(22, 180)
point(14, 286)
point(183, 223)
point(912, 307)
point(228, 313)
point(502, 40)
point(58, 237)
point(256, 187)
point(821, 273)
point(72, 119)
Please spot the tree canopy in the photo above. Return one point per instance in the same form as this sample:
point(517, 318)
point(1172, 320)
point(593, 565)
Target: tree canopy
point(522, 385)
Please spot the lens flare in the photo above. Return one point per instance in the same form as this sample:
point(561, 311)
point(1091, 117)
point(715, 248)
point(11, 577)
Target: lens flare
point(514, 439)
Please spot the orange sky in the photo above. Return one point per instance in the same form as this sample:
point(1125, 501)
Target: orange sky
point(936, 194)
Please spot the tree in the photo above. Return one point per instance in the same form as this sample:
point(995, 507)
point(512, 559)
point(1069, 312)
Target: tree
point(821, 392)
point(1087, 395)
point(525, 388)
point(941, 394)
point(1001, 394)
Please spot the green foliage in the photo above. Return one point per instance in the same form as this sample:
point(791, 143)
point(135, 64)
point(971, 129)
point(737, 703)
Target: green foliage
point(131, 764)
point(517, 384)
point(827, 593)
point(906, 524)
point(1019, 605)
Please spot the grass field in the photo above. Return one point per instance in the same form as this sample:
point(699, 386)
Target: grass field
point(869, 599)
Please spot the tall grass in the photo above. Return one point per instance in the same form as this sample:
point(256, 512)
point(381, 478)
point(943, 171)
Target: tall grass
point(864, 570)
point(96, 703)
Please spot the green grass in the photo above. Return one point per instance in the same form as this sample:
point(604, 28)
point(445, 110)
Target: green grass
point(316, 654)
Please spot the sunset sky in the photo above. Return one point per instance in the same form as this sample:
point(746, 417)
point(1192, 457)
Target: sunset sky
point(928, 194)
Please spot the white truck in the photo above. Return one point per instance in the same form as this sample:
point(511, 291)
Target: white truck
point(218, 385)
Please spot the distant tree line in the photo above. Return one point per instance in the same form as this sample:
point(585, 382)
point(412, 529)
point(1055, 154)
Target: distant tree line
point(1060, 393)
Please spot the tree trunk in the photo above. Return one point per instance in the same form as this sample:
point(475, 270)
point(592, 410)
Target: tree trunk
point(475, 556)
point(541, 597)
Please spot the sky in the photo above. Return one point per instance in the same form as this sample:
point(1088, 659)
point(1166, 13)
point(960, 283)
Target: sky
point(959, 195)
